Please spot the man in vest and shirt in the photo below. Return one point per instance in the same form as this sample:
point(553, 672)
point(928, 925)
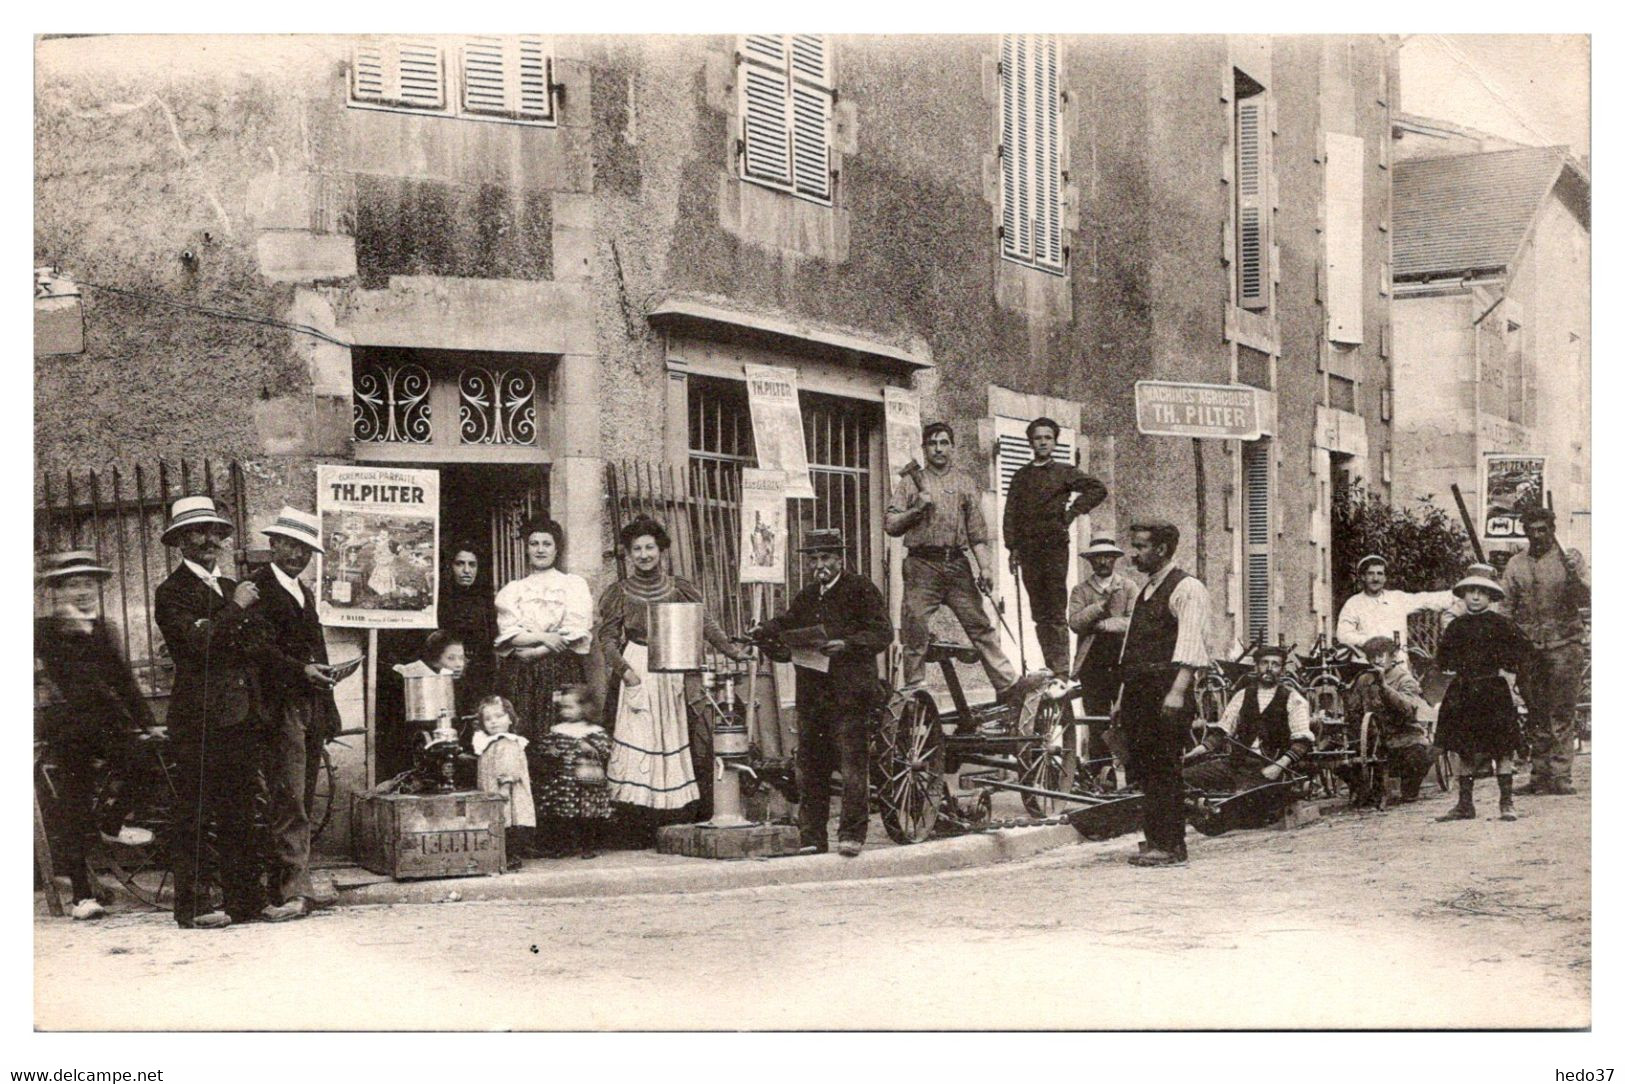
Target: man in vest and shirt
point(833, 704)
point(1546, 588)
point(1045, 496)
point(214, 718)
point(297, 686)
point(1266, 715)
point(1163, 650)
point(1377, 611)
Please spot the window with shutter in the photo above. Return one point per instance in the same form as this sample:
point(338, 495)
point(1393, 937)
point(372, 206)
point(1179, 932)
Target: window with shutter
point(1255, 482)
point(1031, 151)
point(508, 77)
point(786, 107)
point(1252, 173)
point(1013, 451)
point(490, 78)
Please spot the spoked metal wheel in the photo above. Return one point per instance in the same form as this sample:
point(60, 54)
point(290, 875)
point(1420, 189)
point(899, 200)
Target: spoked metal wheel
point(1372, 778)
point(321, 806)
point(908, 767)
point(144, 871)
point(1051, 763)
point(1444, 771)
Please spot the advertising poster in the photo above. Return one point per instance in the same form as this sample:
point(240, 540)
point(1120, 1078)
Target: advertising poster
point(902, 428)
point(764, 539)
point(1513, 485)
point(381, 528)
point(775, 419)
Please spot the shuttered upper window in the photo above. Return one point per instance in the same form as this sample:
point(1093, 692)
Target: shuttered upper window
point(1031, 154)
point(786, 102)
point(480, 78)
point(1252, 146)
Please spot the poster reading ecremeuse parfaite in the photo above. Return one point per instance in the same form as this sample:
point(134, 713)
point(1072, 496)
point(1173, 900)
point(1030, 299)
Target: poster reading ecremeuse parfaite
point(381, 530)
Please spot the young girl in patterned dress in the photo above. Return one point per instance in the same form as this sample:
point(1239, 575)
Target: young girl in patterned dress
point(572, 789)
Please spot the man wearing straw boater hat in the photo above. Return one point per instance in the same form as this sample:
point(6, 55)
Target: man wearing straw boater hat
point(833, 704)
point(1098, 612)
point(91, 708)
point(297, 685)
point(214, 718)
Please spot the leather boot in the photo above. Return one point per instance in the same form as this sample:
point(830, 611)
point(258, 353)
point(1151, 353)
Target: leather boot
point(1507, 812)
point(1464, 810)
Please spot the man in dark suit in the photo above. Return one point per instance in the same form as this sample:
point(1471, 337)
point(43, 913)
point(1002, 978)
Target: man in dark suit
point(833, 705)
point(214, 718)
point(296, 685)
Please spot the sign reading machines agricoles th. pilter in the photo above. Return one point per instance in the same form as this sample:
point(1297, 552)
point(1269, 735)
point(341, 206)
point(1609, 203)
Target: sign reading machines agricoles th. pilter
point(381, 529)
point(1214, 411)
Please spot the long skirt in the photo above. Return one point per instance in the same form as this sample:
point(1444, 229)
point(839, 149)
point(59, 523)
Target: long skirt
point(650, 764)
point(529, 685)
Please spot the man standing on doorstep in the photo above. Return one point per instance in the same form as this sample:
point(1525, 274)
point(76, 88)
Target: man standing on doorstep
point(1045, 496)
point(214, 719)
point(1163, 650)
point(1546, 588)
point(297, 685)
point(833, 702)
point(1377, 611)
point(937, 511)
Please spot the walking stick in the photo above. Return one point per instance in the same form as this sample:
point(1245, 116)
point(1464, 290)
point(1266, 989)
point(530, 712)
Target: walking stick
point(1021, 640)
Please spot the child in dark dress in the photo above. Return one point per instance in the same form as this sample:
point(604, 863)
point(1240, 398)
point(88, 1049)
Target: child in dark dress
point(572, 788)
point(1478, 720)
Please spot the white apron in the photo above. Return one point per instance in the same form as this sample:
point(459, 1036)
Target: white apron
point(650, 763)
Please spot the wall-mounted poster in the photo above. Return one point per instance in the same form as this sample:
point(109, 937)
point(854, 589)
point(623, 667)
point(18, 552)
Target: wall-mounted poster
point(763, 538)
point(1512, 485)
point(775, 421)
point(380, 526)
point(902, 428)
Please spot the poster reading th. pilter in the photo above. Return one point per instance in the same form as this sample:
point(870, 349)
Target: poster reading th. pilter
point(380, 527)
point(775, 421)
point(1513, 485)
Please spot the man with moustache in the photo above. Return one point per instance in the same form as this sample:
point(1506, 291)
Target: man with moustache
point(297, 686)
point(214, 718)
point(833, 706)
point(1163, 651)
point(1265, 715)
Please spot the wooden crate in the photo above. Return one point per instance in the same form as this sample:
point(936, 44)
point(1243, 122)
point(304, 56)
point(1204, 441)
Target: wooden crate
point(413, 836)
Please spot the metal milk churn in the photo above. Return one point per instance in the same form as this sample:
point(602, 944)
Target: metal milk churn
point(676, 637)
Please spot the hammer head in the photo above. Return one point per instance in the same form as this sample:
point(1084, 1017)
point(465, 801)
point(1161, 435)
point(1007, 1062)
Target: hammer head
point(911, 469)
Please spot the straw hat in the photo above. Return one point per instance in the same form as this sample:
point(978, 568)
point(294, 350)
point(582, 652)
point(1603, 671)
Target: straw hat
point(1101, 547)
point(297, 525)
point(60, 566)
point(192, 512)
point(1486, 582)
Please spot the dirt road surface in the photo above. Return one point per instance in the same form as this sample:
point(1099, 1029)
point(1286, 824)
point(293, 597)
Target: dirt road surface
point(1356, 921)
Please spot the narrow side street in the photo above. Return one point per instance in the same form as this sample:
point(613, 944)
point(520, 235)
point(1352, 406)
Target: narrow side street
point(1376, 921)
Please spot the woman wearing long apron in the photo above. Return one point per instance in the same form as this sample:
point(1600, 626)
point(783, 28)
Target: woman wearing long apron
point(660, 761)
point(544, 629)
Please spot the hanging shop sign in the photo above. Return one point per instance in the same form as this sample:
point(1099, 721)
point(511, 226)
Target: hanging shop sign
point(1210, 411)
point(775, 421)
point(763, 536)
point(381, 530)
point(1511, 486)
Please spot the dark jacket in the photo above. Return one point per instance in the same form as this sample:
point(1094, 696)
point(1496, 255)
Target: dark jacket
point(1035, 508)
point(853, 610)
point(92, 685)
point(1478, 716)
point(286, 638)
point(216, 679)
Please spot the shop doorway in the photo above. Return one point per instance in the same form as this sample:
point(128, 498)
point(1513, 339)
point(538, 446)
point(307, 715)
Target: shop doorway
point(482, 507)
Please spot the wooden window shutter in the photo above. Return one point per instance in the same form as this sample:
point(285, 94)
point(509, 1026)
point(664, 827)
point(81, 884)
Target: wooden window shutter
point(407, 72)
point(1047, 248)
point(764, 109)
point(507, 77)
point(1252, 199)
point(1255, 465)
point(1030, 160)
point(811, 110)
point(1012, 222)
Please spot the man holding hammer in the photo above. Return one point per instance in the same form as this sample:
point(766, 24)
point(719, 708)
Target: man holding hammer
point(937, 511)
point(1045, 496)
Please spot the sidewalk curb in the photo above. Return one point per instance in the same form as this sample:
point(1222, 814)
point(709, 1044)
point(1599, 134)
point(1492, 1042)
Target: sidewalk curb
point(985, 848)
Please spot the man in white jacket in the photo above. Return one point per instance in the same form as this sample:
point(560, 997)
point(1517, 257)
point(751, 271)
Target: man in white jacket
point(1376, 611)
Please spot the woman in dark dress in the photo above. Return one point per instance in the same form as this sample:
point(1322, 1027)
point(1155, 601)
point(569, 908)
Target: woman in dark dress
point(1478, 720)
point(91, 709)
point(468, 609)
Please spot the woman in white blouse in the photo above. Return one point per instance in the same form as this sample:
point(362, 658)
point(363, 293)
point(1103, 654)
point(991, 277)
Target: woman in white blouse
point(544, 630)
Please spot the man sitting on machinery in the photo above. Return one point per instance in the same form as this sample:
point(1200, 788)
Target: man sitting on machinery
point(1392, 693)
point(1267, 713)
